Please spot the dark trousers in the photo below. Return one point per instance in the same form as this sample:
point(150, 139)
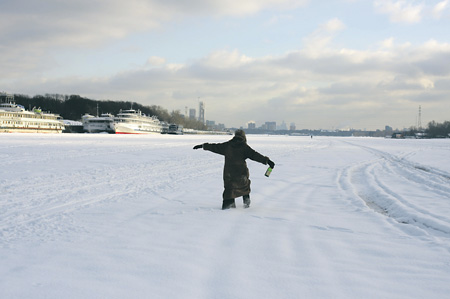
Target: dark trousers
point(230, 203)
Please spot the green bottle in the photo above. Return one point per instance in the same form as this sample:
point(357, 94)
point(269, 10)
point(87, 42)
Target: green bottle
point(268, 171)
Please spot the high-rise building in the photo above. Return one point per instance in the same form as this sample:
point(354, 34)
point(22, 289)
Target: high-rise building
point(201, 112)
point(192, 113)
point(251, 125)
point(283, 126)
point(211, 124)
point(271, 125)
point(292, 127)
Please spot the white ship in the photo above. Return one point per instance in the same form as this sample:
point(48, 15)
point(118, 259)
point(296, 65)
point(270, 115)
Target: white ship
point(135, 122)
point(14, 118)
point(98, 124)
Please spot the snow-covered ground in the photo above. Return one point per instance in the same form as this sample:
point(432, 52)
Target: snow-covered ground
point(106, 216)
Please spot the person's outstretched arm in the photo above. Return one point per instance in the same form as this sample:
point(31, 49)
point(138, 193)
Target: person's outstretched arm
point(218, 148)
point(255, 156)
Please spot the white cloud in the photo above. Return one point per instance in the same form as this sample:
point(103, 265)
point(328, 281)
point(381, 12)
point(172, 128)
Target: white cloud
point(321, 37)
point(31, 31)
point(225, 59)
point(439, 9)
point(240, 7)
point(91, 21)
point(400, 11)
point(333, 25)
point(388, 43)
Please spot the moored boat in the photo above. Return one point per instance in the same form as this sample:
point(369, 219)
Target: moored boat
point(98, 124)
point(14, 118)
point(175, 129)
point(135, 122)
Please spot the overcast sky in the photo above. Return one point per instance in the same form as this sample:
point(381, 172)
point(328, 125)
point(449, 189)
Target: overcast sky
point(319, 64)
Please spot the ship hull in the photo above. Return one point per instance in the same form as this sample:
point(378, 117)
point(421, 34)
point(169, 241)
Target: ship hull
point(30, 130)
point(124, 129)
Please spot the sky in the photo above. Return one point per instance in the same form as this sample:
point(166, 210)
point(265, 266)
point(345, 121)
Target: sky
point(335, 64)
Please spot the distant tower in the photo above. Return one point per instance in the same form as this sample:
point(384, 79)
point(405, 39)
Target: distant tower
point(191, 113)
point(419, 120)
point(201, 112)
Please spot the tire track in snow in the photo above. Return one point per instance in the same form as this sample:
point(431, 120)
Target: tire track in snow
point(370, 182)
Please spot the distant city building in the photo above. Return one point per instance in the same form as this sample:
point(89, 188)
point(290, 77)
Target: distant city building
point(211, 124)
point(201, 112)
point(251, 125)
point(283, 126)
point(271, 125)
point(292, 127)
point(192, 113)
point(388, 129)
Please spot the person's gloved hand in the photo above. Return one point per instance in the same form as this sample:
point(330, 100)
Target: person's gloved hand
point(198, 146)
point(271, 164)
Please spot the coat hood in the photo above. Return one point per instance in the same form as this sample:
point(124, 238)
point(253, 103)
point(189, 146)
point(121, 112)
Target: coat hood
point(239, 136)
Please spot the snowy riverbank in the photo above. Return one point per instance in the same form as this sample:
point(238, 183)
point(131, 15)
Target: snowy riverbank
point(107, 216)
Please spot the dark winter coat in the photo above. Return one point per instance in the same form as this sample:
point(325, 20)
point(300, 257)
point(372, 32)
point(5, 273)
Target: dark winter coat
point(235, 172)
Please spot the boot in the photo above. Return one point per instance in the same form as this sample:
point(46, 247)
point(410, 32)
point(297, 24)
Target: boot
point(228, 203)
point(246, 201)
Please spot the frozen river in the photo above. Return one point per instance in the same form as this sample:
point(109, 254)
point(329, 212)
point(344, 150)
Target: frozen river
point(109, 216)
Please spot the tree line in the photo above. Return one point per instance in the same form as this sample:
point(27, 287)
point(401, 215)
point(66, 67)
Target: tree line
point(74, 106)
point(433, 130)
point(438, 130)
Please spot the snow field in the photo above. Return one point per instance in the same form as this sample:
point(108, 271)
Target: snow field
point(106, 216)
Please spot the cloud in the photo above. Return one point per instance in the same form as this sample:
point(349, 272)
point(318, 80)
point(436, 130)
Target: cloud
point(78, 23)
point(439, 9)
point(225, 59)
point(84, 22)
point(322, 36)
point(333, 25)
point(32, 31)
point(400, 11)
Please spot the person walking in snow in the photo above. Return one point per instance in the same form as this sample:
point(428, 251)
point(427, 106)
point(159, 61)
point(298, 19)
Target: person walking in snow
point(235, 172)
